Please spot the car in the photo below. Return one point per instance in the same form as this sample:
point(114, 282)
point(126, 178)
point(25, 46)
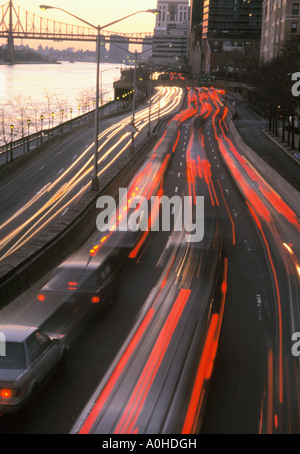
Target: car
point(30, 358)
point(84, 284)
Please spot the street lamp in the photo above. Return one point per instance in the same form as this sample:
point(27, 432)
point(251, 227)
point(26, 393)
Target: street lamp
point(28, 125)
point(42, 118)
point(135, 54)
point(150, 99)
point(79, 107)
point(95, 181)
point(62, 120)
point(11, 140)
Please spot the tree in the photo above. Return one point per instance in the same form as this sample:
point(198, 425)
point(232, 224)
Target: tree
point(274, 86)
point(20, 107)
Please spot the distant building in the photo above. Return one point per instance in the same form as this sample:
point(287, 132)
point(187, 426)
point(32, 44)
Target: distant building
point(146, 51)
point(171, 33)
point(279, 20)
point(220, 29)
point(118, 51)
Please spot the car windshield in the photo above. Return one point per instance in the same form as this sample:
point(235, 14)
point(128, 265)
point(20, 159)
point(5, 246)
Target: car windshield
point(14, 356)
point(75, 278)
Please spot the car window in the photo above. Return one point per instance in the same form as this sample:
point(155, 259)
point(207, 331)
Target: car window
point(37, 344)
point(14, 356)
point(72, 278)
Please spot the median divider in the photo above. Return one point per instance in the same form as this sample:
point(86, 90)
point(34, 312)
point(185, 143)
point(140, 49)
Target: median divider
point(23, 268)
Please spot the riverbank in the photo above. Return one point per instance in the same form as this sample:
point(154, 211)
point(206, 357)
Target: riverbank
point(3, 63)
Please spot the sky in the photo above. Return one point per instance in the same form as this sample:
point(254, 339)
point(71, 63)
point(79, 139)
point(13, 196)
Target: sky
point(97, 12)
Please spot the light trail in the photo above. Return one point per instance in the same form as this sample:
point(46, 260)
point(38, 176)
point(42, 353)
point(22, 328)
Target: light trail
point(169, 100)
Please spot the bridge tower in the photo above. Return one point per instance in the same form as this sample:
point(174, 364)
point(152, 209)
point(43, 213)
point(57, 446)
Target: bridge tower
point(10, 40)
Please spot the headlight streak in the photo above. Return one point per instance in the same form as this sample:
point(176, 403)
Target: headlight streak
point(168, 102)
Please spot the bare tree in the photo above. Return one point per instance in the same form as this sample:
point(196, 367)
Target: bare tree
point(49, 105)
point(85, 99)
point(20, 107)
point(6, 132)
point(62, 105)
point(36, 109)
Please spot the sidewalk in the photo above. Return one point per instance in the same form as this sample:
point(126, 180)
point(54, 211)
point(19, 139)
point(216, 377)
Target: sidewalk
point(252, 129)
point(292, 152)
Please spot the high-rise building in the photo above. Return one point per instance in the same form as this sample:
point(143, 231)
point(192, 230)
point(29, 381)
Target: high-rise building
point(196, 13)
point(232, 19)
point(220, 27)
point(280, 20)
point(171, 33)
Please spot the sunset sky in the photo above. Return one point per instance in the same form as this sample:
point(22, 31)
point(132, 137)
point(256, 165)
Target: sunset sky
point(97, 12)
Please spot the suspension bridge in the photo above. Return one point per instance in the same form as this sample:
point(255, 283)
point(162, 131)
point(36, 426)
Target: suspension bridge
point(17, 23)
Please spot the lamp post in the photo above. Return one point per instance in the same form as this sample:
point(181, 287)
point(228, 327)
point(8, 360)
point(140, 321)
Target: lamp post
point(79, 107)
point(135, 54)
point(42, 119)
point(11, 140)
point(150, 99)
point(95, 181)
point(62, 120)
point(159, 77)
point(28, 125)
point(52, 118)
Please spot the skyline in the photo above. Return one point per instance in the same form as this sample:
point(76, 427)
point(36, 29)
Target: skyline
point(91, 11)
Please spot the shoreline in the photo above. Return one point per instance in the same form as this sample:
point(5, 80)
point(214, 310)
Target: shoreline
point(2, 63)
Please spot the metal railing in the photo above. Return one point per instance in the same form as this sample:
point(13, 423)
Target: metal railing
point(24, 144)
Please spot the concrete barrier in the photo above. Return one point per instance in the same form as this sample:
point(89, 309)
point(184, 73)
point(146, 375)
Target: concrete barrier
point(279, 184)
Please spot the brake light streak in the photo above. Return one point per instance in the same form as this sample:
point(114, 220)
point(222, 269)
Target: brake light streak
point(278, 225)
point(111, 383)
point(129, 415)
point(206, 362)
point(132, 411)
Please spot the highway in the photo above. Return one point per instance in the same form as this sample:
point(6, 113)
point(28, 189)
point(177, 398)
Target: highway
point(57, 180)
point(197, 335)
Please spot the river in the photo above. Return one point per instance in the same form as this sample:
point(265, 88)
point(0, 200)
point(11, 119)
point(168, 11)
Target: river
point(32, 90)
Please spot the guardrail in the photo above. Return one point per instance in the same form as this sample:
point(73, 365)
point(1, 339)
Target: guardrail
point(45, 134)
